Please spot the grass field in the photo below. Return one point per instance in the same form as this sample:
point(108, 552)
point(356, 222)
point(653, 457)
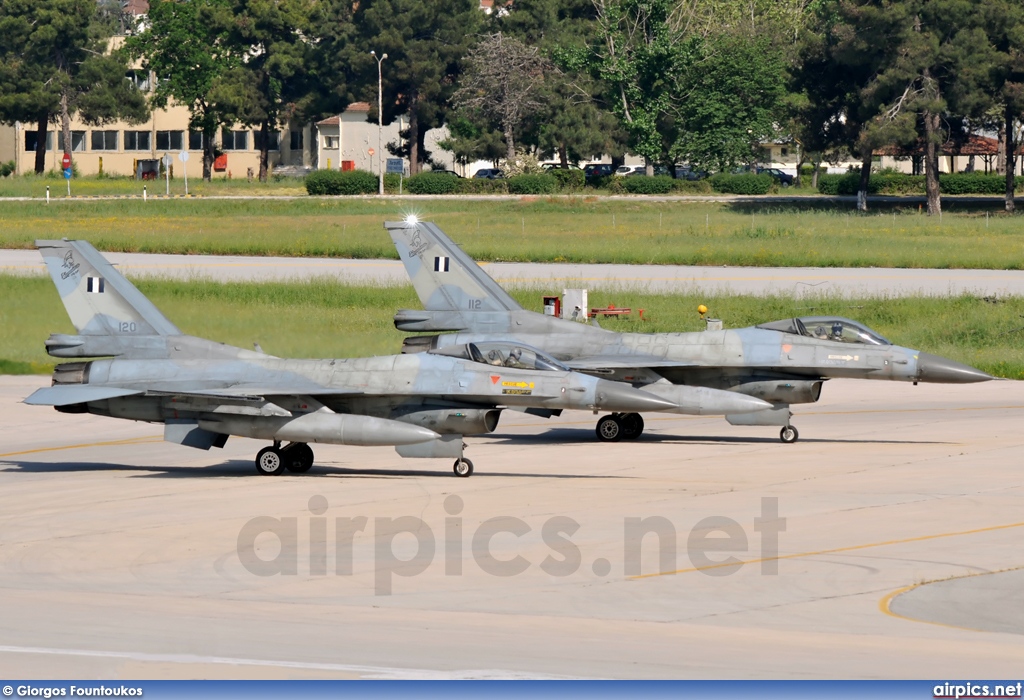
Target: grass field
point(588, 230)
point(323, 318)
point(35, 186)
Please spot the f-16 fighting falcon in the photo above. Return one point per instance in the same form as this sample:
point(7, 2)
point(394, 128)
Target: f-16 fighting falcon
point(203, 391)
point(783, 362)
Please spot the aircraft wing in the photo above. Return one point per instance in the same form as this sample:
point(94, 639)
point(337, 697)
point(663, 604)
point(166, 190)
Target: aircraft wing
point(637, 361)
point(255, 392)
point(68, 394)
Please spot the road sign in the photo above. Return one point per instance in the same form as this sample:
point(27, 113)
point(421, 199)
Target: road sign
point(65, 162)
point(183, 156)
point(370, 151)
point(396, 165)
point(67, 173)
point(168, 160)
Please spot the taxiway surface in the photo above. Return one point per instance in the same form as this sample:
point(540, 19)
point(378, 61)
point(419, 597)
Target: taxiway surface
point(847, 282)
point(120, 555)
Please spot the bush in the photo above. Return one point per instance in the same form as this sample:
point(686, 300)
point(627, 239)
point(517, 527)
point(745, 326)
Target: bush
point(482, 185)
point(332, 182)
point(972, 183)
point(432, 183)
point(897, 183)
point(744, 183)
point(6, 168)
point(692, 186)
point(392, 182)
point(569, 180)
point(845, 184)
point(533, 184)
point(640, 184)
point(600, 182)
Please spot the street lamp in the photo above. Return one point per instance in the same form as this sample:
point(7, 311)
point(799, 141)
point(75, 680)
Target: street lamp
point(380, 120)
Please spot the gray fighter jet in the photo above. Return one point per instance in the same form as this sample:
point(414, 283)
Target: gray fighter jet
point(783, 362)
point(203, 391)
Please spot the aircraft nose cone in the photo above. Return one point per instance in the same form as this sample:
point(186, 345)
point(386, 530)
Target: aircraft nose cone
point(618, 396)
point(940, 370)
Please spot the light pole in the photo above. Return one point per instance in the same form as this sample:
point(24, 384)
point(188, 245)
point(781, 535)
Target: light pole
point(380, 120)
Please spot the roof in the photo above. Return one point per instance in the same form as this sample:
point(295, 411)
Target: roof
point(974, 145)
point(354, 107)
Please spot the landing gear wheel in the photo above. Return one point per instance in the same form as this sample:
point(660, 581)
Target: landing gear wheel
point(269, 462)
point(610, 428)
point(298, 457)
point(632, 425)
point(463, 467)
point(789, 434)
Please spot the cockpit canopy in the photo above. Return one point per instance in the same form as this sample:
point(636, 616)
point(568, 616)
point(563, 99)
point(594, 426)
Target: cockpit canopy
point(502, 354)
point(836, 328)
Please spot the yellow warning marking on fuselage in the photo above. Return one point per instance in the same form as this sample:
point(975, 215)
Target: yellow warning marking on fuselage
point(520, 385)
point(835, 550)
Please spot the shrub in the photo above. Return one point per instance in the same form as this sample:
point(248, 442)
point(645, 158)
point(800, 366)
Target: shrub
point(972, 183)
point(897, 183)
point(569, 180)
point(744, 183)
point(6, 168)
point(600, 182)
point(432, 183)
point(392, 183)
point(482, 185)
point(639, 184)
point(533, 184)
point(845, 184)
point(692, 186)
point(332, 182)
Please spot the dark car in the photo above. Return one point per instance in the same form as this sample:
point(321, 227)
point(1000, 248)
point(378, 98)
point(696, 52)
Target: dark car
point(687, 172)
point(784, 179)
point(642, 170)
point(489, 174)
point(445, 172)
point(598, 169)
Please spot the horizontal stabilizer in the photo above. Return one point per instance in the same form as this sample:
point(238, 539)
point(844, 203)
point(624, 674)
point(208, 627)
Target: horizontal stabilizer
point(68, 395)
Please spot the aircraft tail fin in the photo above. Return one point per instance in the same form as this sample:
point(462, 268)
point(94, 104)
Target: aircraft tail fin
point(99, 300)
point(445, 278)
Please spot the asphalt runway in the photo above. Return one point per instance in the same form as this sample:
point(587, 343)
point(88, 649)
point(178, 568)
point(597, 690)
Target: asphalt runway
point(847, 282)
point(125, 557)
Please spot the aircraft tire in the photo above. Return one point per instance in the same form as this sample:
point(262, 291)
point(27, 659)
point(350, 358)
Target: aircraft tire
point(609, 428)
point(789, 434)
point(463, 467)
point(632, 425)
point(269, 461)
point(298, 457)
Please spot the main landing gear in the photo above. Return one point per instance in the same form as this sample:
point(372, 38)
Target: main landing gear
point(620, 426)
point(297, 458)
point(789, 434)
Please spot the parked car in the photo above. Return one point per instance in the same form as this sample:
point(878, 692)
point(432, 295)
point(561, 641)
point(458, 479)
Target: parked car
point(596, 169)
point(557, 166)
point(783, 178)
point(489, 174)
point(624, 170)
point(445, 172)
point(687, 172)
point(642, 170)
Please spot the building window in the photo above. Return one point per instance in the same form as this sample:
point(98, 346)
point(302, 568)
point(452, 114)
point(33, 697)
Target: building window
point(234, 140)
point(139, 79)
point(169, 140)
point(331, 142)
point(784, 152)
point(104, 140)
point(273, 140)
point(137, 141)
point(195, 140)
point(77, 141)
point(31, 140)
point(296, 140)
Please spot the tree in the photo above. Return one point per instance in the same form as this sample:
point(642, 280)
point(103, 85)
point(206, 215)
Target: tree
point(269, 43)
point(54, 61)
point(425, 41)
point(502, 82)
point(184, 44)
point(1004, 23)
